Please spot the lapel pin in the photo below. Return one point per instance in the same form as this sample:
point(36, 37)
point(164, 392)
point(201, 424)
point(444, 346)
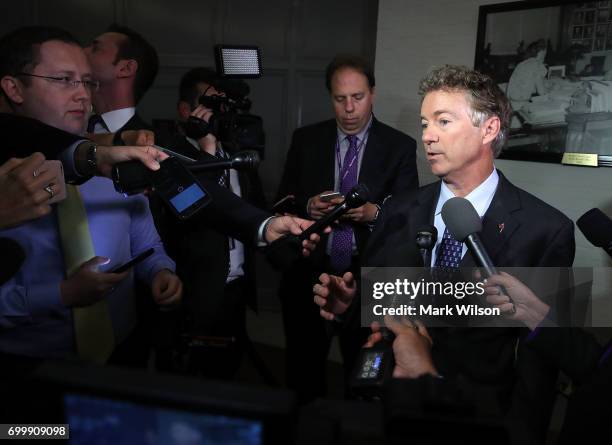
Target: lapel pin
point(501, 227)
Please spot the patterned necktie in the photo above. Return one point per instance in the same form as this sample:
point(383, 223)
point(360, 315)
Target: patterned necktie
point(224, 156)
point(449, 252)
point(93, 120)
point(342, 242)
point(93, 330)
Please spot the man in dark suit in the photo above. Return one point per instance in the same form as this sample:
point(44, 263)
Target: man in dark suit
point(126, 65)
point(465, 120)
point(333, 156)
point(220, 279)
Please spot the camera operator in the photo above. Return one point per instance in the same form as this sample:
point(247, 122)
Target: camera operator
point(219, 279)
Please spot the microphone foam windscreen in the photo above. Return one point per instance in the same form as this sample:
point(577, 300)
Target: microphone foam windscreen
point(246, 159)
point(596, 227)
point(358, 196)
point(461, 218)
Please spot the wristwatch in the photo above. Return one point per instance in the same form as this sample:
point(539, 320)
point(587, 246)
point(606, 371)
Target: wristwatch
point(373, 222)
point(86, 161)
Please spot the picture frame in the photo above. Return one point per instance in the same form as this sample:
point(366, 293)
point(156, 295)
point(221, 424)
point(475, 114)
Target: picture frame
point(553, 59)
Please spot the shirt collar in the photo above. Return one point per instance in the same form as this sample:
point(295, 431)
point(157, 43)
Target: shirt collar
point(342, 135)
point(116, 119)
point(480, 197)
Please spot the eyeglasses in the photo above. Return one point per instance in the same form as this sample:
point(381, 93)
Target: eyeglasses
point(68, 82)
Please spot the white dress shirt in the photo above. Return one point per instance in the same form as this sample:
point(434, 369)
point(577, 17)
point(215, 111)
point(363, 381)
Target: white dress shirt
point(480, 198)
point(114, 120)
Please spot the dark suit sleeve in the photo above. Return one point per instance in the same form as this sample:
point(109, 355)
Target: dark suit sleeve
point(289, 184)
point(574, 351)
point(22, 136)
point(230, 214)
point(407, 177)
point(537, 374)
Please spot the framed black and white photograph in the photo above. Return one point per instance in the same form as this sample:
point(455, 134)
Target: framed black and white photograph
point(553, 59)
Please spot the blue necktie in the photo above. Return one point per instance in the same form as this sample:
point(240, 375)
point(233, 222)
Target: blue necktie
point(449, 252)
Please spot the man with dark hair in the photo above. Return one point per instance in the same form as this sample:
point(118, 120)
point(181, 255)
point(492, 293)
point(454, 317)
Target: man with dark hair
point(465, 119)
point(333, 156)
point(126, 65)
point(356, 63)
point(220, 278)
point(60, 303)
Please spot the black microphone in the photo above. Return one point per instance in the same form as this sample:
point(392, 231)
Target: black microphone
point(597, 228)
point(243, 160)
point(464, 224)
point(357, 197)
point(286, 250)
point(426, 238)
point(11, 259)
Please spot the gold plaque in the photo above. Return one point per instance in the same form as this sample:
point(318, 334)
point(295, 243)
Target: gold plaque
point(585, 159)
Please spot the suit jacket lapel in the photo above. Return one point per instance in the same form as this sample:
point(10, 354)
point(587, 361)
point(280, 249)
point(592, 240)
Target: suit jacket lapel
point(373, 158)
point(326, 157)
point(422, 214)
point(498, 224)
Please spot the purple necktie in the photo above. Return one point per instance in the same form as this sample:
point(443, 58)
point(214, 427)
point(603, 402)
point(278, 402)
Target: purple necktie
point(342, 241)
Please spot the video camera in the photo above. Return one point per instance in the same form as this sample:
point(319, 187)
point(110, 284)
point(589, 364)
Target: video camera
point(231, 123)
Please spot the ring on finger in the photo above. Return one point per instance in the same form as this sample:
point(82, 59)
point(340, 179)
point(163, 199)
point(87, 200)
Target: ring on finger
point(49, 190)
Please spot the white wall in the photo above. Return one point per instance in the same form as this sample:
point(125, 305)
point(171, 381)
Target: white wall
point(415, 35)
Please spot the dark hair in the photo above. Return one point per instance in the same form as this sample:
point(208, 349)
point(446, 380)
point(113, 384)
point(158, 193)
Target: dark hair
point(534, 48)
point(134, 46)
point(357, 63)
point(188, 88)
point(486, 99)
point(20, 49)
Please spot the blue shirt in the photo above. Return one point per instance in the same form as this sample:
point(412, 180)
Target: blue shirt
point(33, 320)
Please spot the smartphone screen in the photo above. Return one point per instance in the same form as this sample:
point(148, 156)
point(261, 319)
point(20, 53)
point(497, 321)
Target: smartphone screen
point(187, 197)
point(179, 188)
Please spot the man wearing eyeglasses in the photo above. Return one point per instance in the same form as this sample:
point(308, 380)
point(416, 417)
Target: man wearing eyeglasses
point(65, 300)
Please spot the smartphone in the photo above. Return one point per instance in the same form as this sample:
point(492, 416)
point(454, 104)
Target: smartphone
point(285, 205)
point(180, 190)
point(330, 196)
point(135, 260)
point(59, 184)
